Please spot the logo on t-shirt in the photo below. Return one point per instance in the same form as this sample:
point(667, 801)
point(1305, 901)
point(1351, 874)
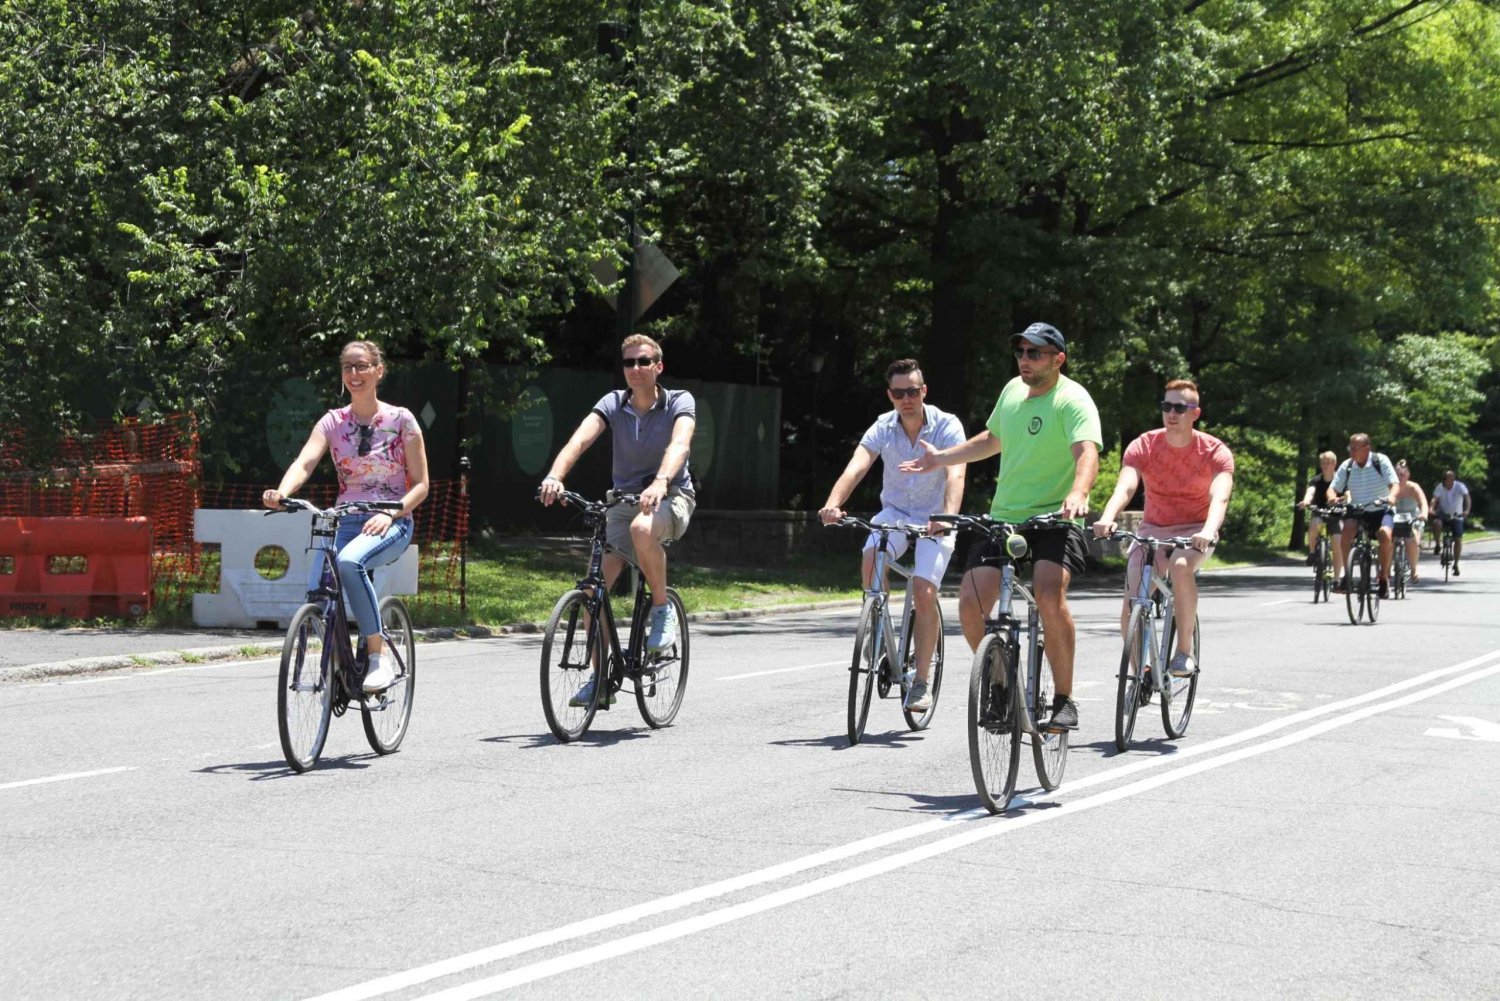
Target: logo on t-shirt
point(1035, 426)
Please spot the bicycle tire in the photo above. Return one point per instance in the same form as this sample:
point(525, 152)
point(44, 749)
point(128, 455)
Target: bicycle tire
point(1320, 570)
point(1131, 679)
point(1399, 571)
point(1178, 694)
point(1351, 595)
point(1371, 587)
point(1447, 554)
point(994, 740)
point(387, 714)
point(659, 696)
point(920, 721)
point(1049, 749)
point(303, 722)
point(864, 668)
point(580, 656)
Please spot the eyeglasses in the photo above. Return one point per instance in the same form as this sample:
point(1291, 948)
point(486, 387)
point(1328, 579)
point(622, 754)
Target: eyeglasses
point(357, 367)
point(642, 361)
point(1168, 407)
point(365, 431)
point(1034, 354)
point(909, 393)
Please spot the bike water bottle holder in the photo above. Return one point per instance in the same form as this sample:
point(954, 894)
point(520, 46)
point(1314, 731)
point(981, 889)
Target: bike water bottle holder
point(324, 526)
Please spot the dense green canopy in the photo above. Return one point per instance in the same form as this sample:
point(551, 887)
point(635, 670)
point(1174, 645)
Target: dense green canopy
point(1295, 204)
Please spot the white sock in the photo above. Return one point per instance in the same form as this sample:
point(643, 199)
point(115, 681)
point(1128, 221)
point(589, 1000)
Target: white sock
point(374, 664)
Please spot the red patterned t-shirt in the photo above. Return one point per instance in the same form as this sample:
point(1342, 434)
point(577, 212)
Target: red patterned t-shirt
point(1177, 479)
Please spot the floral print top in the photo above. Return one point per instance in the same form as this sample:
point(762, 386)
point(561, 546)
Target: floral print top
point(370, 458)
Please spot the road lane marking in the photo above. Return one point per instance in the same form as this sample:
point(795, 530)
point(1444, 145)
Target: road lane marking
point(588, 926)
point(66, 778)
point(1283, 601)
point(782, 670)
point(1479, 729)
point(921, 853)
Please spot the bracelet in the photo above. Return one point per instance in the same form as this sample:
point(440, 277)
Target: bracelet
point(659, 476)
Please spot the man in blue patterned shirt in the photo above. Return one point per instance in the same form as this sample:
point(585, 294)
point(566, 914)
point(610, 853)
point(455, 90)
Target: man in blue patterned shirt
point(909, 498)
point(1366, 478)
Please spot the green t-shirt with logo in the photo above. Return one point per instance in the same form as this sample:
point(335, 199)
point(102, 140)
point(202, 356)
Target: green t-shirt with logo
point(1037, 435)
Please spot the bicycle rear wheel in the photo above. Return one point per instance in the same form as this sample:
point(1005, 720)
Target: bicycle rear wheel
point(573, 654)
point(1400, 571)
point(1320, 570)
point(994, 724)
point(663, 680)
point(1177, 694)
point(387, 714)
point(1049, 750)
point(864, 668)
point(1131, 687)
point(919, 721)
point(304, 694)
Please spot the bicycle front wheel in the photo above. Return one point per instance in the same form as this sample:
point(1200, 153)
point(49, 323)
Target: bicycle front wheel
point(1400, 571)
point(864, 668)
point(1177, 694)
point(387, 714)
point(1351, 592)
point(1320, 571)
point(994, 723)
point(663, 680)
point(1370, 588)
point(1049, 749)
point(572, 657)
point(919, 721)
point(1131, 688)
point(304, 695)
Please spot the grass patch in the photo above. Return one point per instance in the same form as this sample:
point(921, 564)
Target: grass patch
point(188, 657)
point(140, 661)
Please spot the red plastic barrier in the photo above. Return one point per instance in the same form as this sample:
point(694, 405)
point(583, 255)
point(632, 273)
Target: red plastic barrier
point(75, 567)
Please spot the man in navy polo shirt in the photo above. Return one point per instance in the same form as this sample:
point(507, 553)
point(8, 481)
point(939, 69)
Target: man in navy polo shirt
point(910, 498)
point(651, 432)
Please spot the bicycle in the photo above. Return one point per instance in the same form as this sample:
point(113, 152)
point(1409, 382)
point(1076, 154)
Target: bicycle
point(1006, 706)
point(322, 671)
point(581, 633)
point(1322, 554)
point(1445, 546)
point(1362, 602)
point(1400, 565)
point(881, 660)
point(1143, 664)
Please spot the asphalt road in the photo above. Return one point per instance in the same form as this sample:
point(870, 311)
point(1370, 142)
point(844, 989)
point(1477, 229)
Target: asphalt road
point(1329, 828)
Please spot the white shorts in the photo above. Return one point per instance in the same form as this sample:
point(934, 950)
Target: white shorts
point(932, 556)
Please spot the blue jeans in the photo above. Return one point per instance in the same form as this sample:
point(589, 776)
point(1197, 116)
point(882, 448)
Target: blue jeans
point(358, 553)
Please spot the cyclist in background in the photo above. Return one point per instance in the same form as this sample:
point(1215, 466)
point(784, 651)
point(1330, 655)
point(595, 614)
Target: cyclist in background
point(379, 454)
point(1320, 494)
point(651, 434)
point(1451, 503)
point(908, 498)
point(1410, 501)
point(1189, 476)
point(1366, 477)
point(1048, 428)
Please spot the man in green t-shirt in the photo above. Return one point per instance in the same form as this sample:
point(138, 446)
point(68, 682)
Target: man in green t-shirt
point(1048, 429)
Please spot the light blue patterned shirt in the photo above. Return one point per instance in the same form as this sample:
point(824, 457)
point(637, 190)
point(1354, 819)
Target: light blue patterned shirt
point(914, 495)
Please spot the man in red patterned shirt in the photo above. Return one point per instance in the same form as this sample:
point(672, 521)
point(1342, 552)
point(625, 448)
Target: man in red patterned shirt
point(1188, 476)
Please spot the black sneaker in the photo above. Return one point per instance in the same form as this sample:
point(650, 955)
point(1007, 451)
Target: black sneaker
point(1383, 589)
point(1064, 715)
point(1309, 560)
point(1456, 572)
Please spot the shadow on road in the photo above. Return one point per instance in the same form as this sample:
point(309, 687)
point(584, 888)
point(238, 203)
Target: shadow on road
point(261, 770)
point(594, 738)
point(947, 805)
point(840, 741)
point(1156, 746)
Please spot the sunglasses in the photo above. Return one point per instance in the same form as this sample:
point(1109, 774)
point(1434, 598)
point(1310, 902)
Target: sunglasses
point(357, 368)
point(644, 361)
point(1034, 354)
point(1168, 407)
point(909, 393)
point(365, 432)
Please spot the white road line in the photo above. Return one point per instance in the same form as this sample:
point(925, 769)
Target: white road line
point(66, 778)
point(588, 926)
point(128, 674)
point(1283, 601)
point(881, 866)
point(782, 670)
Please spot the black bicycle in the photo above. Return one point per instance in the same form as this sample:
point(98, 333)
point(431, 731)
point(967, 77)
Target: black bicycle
point(1009, 702)
point(1362, 598)
point(885, 660)
point(1144, 662)
point(581, 645)
point(1322, 553)
point(322, 672)
point(1445, 546)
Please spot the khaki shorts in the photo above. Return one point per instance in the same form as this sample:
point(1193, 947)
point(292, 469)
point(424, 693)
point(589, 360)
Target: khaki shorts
point(668, 521)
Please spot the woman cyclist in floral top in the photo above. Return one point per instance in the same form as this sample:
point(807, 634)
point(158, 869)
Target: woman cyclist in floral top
point(379, 454)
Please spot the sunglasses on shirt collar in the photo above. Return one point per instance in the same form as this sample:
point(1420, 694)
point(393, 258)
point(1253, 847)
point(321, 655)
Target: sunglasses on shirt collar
point(365, 433)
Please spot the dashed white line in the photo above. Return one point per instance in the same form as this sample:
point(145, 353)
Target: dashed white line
point(782, 670)
point(66, 778)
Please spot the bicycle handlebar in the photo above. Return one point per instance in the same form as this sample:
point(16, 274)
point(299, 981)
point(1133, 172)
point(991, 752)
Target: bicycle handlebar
point(611, 499)
point(984, 523)
point(1180, 542)
point(849, 521)
point(291, 504)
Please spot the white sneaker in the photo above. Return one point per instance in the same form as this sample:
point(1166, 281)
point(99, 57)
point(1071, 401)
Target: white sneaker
point(380, 675)
point(1183, 666)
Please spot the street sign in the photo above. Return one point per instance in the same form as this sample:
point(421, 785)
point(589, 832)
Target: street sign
point(655, 272)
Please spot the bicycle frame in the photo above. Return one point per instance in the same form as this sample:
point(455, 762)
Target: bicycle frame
point(1003, 622)
point(891, 639)
point(1151, 584)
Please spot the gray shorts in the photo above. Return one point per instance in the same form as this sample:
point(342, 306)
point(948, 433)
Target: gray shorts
point(668, 521)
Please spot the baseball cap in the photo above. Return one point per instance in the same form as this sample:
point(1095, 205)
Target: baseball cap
point(1043, 333)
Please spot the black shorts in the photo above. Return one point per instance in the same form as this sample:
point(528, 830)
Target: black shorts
point(1065, 545)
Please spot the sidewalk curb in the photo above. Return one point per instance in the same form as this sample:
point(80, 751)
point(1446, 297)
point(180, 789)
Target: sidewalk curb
point(211, 654)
